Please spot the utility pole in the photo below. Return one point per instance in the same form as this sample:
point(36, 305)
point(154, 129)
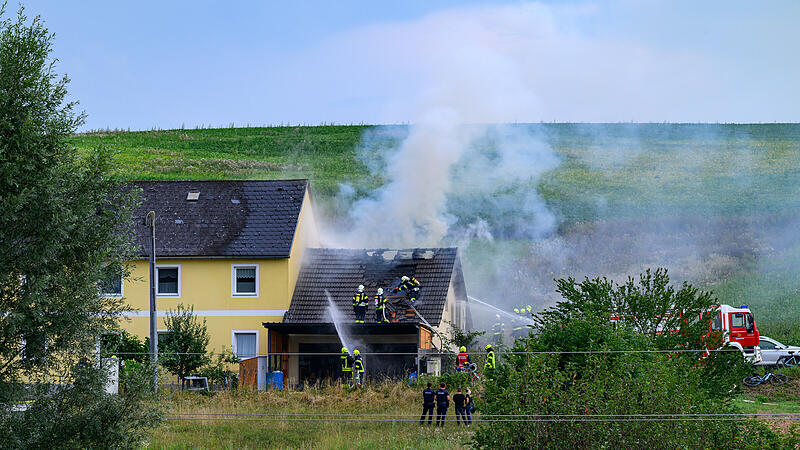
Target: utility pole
point(150, 220)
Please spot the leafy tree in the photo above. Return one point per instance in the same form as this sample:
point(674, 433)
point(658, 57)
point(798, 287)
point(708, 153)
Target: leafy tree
point(218, 371)
point(125, 346)
point(183, 350)
point(460, 337)
point(617, 382)
point(65, 223)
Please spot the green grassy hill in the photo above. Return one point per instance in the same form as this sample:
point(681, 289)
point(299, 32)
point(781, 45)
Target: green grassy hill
point(719, 204)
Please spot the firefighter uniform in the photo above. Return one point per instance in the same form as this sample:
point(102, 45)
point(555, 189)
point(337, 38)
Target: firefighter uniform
point(411, 286)
point(519, 323)
point(497, 331)
point(491, 362)
point(380, 308)
point(360, 303)
point(358, 366)
point(462, 360)
point(347, 365)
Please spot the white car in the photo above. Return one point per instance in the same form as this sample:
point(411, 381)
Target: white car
point(772, 351)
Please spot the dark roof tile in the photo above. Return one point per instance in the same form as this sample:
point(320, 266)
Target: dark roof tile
point(340, 271)
point(230, 218)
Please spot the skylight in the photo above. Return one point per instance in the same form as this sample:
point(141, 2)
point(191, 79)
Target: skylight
point(193, 196)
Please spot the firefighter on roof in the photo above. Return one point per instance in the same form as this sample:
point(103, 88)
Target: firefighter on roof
point(380, 307)
point(411, 286)
point(360, 303)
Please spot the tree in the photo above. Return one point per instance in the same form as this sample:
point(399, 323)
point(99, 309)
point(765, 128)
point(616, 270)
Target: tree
point(65, 223)
point(183, 350)
point(618, 383)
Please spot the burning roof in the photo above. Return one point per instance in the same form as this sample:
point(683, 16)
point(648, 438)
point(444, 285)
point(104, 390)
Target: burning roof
point(340, 271)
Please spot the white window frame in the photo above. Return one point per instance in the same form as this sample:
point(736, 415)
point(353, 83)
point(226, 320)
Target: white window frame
point(121, 290)
point(169, 266)
point(233, 281)
point(233, 340)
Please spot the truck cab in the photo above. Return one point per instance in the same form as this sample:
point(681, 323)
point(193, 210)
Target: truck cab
point(739, 329)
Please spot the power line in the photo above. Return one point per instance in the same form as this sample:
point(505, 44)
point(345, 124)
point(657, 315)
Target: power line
point(564, 416)
point(564, 352)
point(351, 420)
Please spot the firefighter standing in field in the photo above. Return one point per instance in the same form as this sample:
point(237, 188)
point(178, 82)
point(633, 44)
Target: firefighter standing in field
point(411, 286)
point(360, 303)
point(497, 330)
point(462, 359)
point(380, 307)
point(491, 361)
point(518, 323)
point(358, 367)
point(347, 365)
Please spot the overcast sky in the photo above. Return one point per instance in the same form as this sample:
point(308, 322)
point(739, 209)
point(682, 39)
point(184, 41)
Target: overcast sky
point(165, 64)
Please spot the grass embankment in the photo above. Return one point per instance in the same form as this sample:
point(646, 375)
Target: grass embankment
point(384, 398)
point(769, 399)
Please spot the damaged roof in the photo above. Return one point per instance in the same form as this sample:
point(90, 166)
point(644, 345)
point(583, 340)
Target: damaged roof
point(340, 271)
point(220, 218)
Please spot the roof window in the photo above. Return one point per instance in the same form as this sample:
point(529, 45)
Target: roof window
point(193, 196)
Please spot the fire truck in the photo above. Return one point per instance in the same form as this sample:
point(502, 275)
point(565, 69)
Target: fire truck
point(738, 328)
point(736, 324)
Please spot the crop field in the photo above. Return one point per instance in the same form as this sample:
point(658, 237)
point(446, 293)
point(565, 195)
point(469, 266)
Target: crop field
point(719, 205)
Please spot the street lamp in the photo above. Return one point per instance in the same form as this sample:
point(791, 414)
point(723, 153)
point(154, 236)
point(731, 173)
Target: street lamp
point(150, 220)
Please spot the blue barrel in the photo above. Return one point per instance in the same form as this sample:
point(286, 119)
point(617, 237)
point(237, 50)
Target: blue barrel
point(275, 380)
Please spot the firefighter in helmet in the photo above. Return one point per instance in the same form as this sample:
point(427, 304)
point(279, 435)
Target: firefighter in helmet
point(491, 361)
point(347, 365)
point(518, 323)
point(462, 359)
point(497, 330)
point(411, 286)
point(360, 303)
point(380, 307)
point(358, 366)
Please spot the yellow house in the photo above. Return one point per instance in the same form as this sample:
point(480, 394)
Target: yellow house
point(230, 249)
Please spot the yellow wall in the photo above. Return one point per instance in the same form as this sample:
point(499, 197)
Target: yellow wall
point(206, 285)
point(306, 235)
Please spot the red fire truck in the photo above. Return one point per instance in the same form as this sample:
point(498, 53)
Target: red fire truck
point(737, 326)
point(739, 329)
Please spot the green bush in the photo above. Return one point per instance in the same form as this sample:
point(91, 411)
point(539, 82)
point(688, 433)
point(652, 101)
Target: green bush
point(631, 384)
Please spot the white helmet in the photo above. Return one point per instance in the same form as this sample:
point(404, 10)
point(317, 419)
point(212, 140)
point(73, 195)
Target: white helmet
point(360, 288)
point(497, 316)
point(405, 278)
point(380, 291)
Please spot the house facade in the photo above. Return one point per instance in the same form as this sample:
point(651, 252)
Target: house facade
point(230, 249)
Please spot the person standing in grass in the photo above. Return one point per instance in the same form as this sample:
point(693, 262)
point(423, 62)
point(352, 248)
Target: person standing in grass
point(459, 401)
point(442, 402)
point(468, 407)
point(428, 399)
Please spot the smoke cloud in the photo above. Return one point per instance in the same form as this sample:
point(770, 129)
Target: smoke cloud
point(466, 173)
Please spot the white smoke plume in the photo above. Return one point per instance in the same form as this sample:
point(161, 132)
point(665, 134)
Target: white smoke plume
point(453, 148)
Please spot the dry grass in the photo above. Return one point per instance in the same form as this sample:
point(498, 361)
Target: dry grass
point(380, 398)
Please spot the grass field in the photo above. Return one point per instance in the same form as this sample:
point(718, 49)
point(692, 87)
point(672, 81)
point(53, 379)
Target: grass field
point(385, 398)
point(717, 204)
